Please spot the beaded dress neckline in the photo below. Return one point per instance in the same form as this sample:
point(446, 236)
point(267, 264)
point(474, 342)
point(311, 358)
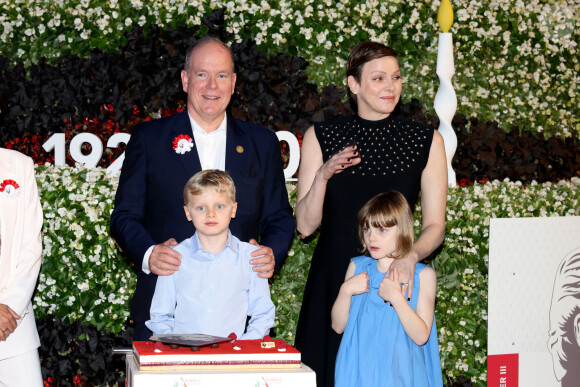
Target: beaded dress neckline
point(387, 146)
point(368, 123)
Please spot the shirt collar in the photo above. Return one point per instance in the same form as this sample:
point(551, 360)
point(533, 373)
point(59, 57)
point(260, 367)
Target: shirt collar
point(196, 128)
point(231, 243)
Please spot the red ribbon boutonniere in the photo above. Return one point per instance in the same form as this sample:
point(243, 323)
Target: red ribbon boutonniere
point(182, 143)
point(10, 189)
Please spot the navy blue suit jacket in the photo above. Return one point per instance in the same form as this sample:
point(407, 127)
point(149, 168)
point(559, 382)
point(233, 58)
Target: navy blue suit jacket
point(149, 200)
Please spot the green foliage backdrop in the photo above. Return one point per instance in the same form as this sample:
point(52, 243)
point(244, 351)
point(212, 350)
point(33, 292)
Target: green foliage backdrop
point(517, 62)
point(84, 276)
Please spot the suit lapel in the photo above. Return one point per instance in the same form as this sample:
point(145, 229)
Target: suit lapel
point(188, 160)
point(237, 149)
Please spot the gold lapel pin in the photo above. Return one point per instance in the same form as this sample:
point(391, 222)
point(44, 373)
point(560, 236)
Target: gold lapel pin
point(240, 149)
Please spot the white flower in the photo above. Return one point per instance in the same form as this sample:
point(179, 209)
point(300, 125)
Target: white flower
point(84, 286)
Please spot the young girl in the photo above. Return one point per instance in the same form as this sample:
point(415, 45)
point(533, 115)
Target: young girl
point(388, 340)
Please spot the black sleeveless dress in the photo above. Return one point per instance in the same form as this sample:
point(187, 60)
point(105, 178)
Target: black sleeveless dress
point(394, 153)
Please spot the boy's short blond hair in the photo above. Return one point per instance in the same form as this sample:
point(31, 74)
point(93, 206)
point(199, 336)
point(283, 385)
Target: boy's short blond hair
point(387, 210)
point(209, 179)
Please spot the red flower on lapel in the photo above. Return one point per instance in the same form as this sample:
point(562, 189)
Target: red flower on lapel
point(10, 189)
point(182, 143)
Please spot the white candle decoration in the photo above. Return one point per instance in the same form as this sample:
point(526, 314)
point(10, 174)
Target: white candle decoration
point(446, 101)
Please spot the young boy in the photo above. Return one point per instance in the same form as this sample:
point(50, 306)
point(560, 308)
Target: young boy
point(214, 289)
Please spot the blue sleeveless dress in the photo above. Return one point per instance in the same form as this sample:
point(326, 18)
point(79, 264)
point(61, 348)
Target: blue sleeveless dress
point(375, 350)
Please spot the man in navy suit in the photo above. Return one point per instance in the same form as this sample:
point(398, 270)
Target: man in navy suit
point(163, 154)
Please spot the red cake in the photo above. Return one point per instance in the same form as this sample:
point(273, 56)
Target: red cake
point(242, 354)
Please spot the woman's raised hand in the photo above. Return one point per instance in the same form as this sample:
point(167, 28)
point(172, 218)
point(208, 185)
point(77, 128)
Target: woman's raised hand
point(340, 161)
point(313, 177)
point(390, 288)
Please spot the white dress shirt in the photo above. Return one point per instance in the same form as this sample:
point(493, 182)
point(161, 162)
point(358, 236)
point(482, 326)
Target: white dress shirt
point(211, 147)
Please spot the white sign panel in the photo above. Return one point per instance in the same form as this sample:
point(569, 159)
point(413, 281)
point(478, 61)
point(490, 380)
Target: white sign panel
point(534, 302)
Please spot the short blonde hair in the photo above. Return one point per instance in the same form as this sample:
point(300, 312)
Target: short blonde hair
point(387, 210)
point(209, 179)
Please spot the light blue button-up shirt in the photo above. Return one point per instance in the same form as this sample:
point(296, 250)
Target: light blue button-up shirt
point(213, 294)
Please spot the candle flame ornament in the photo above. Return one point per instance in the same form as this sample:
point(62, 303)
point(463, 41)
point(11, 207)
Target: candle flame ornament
point(445, 100)
point(445, 15)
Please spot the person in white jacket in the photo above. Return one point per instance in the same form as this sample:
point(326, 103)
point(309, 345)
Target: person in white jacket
point(20, 258)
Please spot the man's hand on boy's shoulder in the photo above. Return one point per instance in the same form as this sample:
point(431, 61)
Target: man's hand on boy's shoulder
point(164, 260)
point(263, 260)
